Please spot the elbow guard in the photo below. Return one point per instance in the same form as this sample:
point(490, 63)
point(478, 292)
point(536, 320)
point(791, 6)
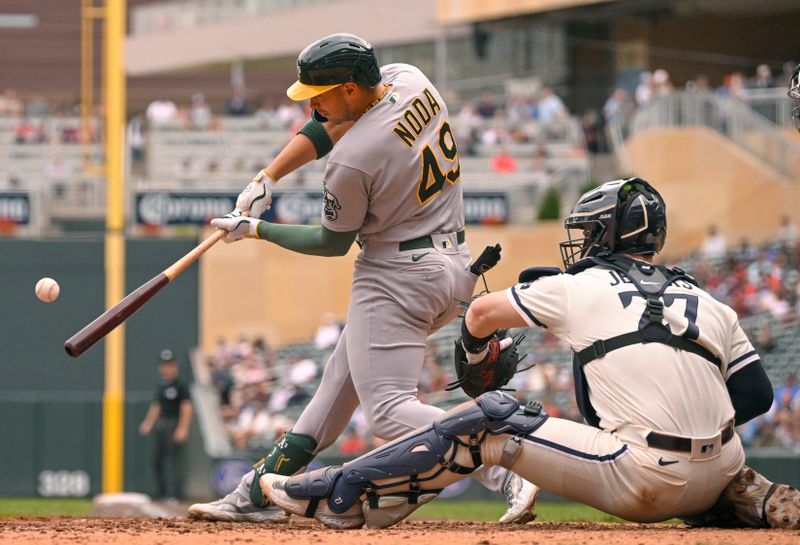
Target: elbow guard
point(315, 131)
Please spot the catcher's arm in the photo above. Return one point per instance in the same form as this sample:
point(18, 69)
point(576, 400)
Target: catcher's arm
point(488, 359)
point(489, 313)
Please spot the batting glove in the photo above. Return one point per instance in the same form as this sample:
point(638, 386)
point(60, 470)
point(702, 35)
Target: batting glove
point(238, 226)
point(256, 197)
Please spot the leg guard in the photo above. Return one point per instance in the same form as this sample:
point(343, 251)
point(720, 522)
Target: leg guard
point(403, 474)
point(290, 453)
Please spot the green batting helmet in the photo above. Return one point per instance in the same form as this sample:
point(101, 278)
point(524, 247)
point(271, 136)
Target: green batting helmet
point(332, 61)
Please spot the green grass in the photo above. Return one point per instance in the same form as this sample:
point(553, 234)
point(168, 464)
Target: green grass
point(44, 507)
point(492, 510)
point(445, 510)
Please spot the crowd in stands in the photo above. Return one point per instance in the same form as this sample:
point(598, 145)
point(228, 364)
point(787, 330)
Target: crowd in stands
point(262, 389)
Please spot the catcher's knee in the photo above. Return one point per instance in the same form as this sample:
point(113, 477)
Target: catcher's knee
point(410, 464)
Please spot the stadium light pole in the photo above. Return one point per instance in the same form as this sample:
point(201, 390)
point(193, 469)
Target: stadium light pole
point(114, 103)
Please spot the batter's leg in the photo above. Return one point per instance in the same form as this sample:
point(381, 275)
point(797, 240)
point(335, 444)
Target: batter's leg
point(327, 414)
point(386, 347)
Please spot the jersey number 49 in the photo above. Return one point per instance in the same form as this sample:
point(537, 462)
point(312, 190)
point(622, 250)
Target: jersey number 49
point(432, 180)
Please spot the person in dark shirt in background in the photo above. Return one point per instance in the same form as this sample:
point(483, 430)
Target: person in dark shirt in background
point(169, 415)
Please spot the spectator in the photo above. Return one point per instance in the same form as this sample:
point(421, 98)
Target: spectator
point(161, 111)
point(788, 393)
point(540, 157)
point(10, 104)
point(662, 86)
point(550, 107)
point(486, 106)
point(503, 162)
point(618, 107)
point(353, 444)
point(714, 244)
point(328, 332)
point(37, 108)
point(265, 114)
point(237, 104)
point(644, 91)
point(590, 125)
point(254, 420)
point(787, 234)
point(302, 370)
point(200, 115)
point(136, 137)
point(763, 78)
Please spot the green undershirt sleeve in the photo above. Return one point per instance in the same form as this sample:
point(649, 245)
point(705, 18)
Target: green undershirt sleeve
point(307, 239)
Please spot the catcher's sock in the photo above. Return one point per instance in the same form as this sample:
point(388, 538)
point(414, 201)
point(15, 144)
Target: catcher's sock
point(290, 453)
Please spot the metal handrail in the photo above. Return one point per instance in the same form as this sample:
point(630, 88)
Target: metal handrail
point(729, 116)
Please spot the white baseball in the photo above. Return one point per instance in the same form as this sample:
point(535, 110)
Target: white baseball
point(47, 290)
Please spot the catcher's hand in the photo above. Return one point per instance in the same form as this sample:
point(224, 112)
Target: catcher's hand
point(256, 197)
point(488, 369)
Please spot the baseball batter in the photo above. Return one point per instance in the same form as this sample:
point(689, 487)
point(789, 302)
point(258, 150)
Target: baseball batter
point(391, 184)
point(663, 372)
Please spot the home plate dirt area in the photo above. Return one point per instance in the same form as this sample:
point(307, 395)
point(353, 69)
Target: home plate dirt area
point(180, 531)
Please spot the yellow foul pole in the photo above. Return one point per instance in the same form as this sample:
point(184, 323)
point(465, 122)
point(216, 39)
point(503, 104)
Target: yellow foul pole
point(114, 102)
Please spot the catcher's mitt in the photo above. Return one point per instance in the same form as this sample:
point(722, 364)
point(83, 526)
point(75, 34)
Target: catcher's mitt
point(492, 372)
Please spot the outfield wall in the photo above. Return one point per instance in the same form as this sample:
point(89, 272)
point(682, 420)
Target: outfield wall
point(51, 404)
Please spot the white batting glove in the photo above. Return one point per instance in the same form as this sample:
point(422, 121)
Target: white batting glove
point(256, 197)
point(238, 226)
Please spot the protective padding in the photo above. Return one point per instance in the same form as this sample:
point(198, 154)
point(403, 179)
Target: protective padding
point(313, 484)
point(417, 453)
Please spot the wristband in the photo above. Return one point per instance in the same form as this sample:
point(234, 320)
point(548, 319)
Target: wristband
point(315, 131)
point(261, 230)
point(262, 174)
point(471, 342)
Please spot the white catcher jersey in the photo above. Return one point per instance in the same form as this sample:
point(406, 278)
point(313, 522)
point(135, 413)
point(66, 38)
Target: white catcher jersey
point(394, 175)
point(653, 386)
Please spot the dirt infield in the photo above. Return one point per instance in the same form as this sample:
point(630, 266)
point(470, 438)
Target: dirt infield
point(96, 531)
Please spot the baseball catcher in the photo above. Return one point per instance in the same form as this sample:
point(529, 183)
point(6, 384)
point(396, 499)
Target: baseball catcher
point(663, 373)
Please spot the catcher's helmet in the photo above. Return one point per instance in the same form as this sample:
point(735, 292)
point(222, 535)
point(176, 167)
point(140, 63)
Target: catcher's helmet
point(332, 61)
point(621, 216)
point(794, 94)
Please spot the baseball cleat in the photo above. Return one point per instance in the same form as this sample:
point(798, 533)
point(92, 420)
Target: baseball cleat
point(237, 507)
point(521, 496)
point(274, 488)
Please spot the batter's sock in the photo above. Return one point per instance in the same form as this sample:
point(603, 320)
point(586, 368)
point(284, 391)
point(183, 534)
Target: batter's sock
point(290, 453)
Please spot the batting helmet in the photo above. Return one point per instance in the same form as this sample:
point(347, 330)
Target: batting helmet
point(332, 61)
point(794, 94)
point(621, 216)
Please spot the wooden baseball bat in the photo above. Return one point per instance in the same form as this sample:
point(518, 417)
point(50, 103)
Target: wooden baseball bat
point(103, 324)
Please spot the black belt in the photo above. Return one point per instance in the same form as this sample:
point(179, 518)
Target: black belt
point(426, 242)
point(682, 444)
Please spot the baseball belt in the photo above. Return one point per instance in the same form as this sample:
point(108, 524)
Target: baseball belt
point(426, 242)
point(683, 444)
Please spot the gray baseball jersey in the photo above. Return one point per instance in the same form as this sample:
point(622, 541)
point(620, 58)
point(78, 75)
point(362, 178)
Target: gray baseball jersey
point(394, 177)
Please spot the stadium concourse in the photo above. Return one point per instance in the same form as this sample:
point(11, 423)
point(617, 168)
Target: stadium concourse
point(262, 389)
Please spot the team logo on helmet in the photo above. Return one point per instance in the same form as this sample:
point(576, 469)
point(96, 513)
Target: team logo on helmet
point(332, 205)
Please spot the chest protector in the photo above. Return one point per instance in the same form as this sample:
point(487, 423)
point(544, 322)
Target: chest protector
point(651, 281)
